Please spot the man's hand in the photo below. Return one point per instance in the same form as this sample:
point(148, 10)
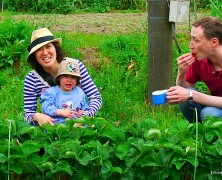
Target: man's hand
point(177, 94)
point(185, 61)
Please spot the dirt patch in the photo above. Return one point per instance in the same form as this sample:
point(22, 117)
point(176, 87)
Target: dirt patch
point(90, 56)
point(107, 23)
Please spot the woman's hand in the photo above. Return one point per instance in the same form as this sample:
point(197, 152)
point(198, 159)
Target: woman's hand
point(43, 118)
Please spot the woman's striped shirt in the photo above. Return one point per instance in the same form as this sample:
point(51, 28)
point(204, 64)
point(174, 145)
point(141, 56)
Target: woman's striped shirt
point(34, 85)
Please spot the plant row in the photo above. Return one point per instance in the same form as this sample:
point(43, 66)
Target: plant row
point(71, 6)
point(104, 150)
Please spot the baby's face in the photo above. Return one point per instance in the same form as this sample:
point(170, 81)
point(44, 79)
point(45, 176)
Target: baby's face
point(68, 82)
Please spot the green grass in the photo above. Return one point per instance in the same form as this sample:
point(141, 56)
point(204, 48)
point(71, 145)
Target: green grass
point(124, 90)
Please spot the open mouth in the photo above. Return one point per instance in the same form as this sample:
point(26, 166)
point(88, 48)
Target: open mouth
point(47, 59)
point(193, 54)
point(68, 86)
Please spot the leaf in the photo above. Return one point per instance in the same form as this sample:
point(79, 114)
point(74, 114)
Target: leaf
point(46, 166)
point(70, 154)
point(79, 120)
point(179, 164)
point(51, 150)
point(165, 156)
point(16, 167)
point(132, 156)
point(62, 131)
point(29, 130)
point(106, 166)
point(85, 158)
point(216, 124)
point(108, 131)
point(61, 167)
point(30, 147)
point(102, 151)
point(122, 150)
point(153, 133)
point(218, 146)
point(149, 161)
point(100, 123)
point(3, 158)
point(174, 139)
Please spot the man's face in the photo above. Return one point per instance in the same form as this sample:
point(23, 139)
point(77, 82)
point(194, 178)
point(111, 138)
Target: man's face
point(199, 45)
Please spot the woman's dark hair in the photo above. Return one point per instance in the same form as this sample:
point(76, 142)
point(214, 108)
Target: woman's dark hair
point(60, 54)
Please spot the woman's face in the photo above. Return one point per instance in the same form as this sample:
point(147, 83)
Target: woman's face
point(67, 82)
point(46, 55)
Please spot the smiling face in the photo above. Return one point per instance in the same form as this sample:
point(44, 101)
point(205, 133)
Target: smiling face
point(46, 55)
point(67, 82)
point(200, 46)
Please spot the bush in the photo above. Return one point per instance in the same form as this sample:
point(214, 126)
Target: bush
point(105, 150)
point(14, 40)
point(71, 6)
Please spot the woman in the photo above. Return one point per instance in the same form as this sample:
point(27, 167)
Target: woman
point(45, 54)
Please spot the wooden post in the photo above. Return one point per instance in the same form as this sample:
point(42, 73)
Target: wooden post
point(2, 5)
point(160, 47)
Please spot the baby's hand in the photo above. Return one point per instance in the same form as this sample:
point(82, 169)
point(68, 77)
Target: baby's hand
point(68, 113)
point(79, 113)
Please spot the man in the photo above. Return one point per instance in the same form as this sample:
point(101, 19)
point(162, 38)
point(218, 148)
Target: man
point(203, 63)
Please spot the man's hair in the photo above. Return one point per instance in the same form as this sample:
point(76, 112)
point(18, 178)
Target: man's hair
point(59, 56)
point(212, 27)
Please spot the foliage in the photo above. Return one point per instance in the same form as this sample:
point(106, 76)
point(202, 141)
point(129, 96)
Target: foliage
point(71, 6)
point(105, 150)
point(13, 41)
point(128, 61)
point(131, 141)
point(216, 7)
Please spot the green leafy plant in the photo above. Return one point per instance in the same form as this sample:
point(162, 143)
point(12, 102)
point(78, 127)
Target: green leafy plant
point(13, 41)
point(106, 150)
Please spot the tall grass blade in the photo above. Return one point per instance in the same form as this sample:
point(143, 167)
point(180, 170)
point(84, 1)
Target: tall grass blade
point(9, 143)
point(195, 168)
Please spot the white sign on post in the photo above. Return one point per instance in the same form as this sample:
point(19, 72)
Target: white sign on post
point(179, 10)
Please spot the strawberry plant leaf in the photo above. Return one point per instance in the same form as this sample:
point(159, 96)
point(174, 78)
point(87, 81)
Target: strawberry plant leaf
point(62, 167)
point(16, 167)
point(108, 131)
point(3, 158)
point(85, 158)
point(62, 131)
point(122, 150)
point(46, 166)
point(132, 156)
point(30, 147)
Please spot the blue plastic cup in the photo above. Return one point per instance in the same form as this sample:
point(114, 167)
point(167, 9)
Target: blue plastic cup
point(159, 97)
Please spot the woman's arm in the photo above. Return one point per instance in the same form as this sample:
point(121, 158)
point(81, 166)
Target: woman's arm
point(33, 88)
point(91, 91)
point(30, 95)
